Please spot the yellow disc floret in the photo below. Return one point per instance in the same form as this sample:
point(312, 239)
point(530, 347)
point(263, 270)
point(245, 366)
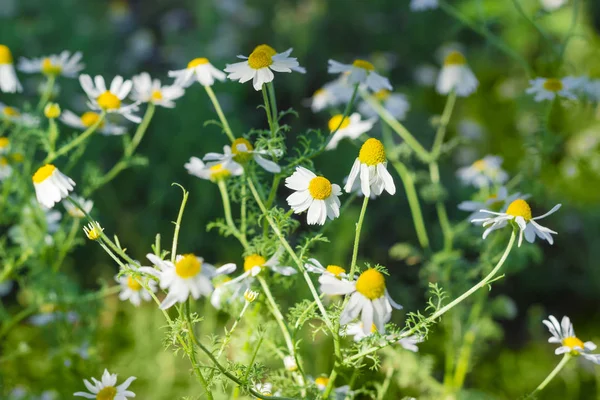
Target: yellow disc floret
point(133, 284)
point(253, 260)
point(382, 95)
point(336, 270)
point(363, 64)
point(336, 121)
point(455, 58)
point(322, 381)
point(573, 342)
point(260, 58)
point(93, 231)
point(4, 142)
point(188, 266)
point(43, 173)
point(319, 188)
point(197, 61)
point(519, 208)
point(553, 85)
point(218, 172)
point(107, 393)
point(479, 165)
point(371, 284)
point(5, 55)
point(11, 112)
point(50, 69)
point(108, 101)
point(52, 111)
point(89, 118)
point(3, 161)
point(156, 95)
point(240, 154)
point(372, 152)
point(266, 48)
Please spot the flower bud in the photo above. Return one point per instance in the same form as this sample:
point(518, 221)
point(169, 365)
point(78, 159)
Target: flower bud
point(290, 363)
point(250, 295)
point(93, 230)
point(52, 111)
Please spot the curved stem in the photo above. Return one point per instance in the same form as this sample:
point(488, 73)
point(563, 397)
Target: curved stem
point(434, 173)
point(178, 224)
point(359, 224)
point(140, 131)
point(552, 374)
point(77, 141)
point(192, 351)
point(47, 92)
point(67, 245)
point(219, 111)
point(228, 216)
point(441, 131)
point(347, 109)
point(273, 101)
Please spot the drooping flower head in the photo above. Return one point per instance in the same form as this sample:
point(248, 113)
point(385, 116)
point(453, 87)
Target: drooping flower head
point(76, 212)
point(109, 100)
point(9, 83)
point(315, 194)
point(63, 64)
point(214, 172)
point(240, 153)
point(51, 185)
point(132, 288)
point(371, 167)
point(347, 127)
point(360, 72)
point(456, 75)
point(198, 70)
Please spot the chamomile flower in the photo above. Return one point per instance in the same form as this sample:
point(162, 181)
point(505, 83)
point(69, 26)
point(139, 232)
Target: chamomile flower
point(368, 297)
point(5, 168)
point(551, 5)
point(132, 289)
point(518, 211)
point(356, 188)
point(240, 152)
point(330, 95)
point(76, 212)
point(51, 185)
point(456, 75)
point(550, 88)
point(360, 72)
point(315, 194)
point(109, 100)
point(63, 64)
point(347, 127)
point(498, 202)
point(260, 64)
point(190, 275)
point(289, 362)
point(106, 389)
point(88, 119)
point(198, 70)
point(9, 83)
point(12, 114)
point(484, 172)
point(214, 172)
point(564, 334)
point(371, 166)
point(148, 90)
point(314, 266)
point(339, 393)
point(422, 5)
point(395, 103)
point(4, 145)
point(266, 389)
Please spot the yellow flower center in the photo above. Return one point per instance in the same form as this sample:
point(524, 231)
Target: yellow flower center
point(319, 188)
point(50, 69)
point(265, 48)
point(11, 112)
point(322, 381)
point(371, 284)
point(5, 55)
point(455, 58)
point(573, 342)
point(43, 173)
point(107, 393)
point(372, 152)
point(260, 58)
point(373, 328)
point(17, 157)
point(253, 260)
point(3, 161)
point(218, 172)
point(336, 270)
point(319, 92)
point(197, 61)
point(479, 165)
point(188, 267)
point(363, 64)
point(108, 101)
point(89, 118)
point(52, 111)
point(47, 308)
point(382, 95)
point(553, 85)
point(93, 231)
point(157, 95)
point(4, 142)
point(338, 120)
point(133, 284)
point(519, 208)
point(241, 156)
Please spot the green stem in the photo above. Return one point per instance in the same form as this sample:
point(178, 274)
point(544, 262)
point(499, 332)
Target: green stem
point(230, 332)
point(219, 111)
point(347, 109)
point(464, 356)
point(178, 224)
point(67, 245)
point(140, 131)
point(441, 131)
point(330, 383)
point(386, 384)
point(572, 27)
point(273, 101)
point(434, 173)
point(359, 224)
point(47, 92)
point(77, 141)
point(192, 351)
point(268, 108)
point(552, 374)
point(228, 216)
point(535, 25)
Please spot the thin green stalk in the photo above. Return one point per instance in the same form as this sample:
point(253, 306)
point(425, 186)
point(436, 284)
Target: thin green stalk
point(67, 245)
point(49, 87)
point(178, 224)
point(386, 384)
point(552, 374)
point(330, 383)
point(192, 351)
point(243, 213)
point(535, 25)
point(347, 109)
point(359, 224)
point(141, 130)
point(273, 101)
point(228, 216)
point(77, 141)
point(441, 131)
point(572, 27)
point(219, 111)
point(230, 331)
point(268, 109)
point(434, 173)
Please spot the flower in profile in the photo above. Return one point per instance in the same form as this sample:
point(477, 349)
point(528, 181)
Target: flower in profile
point(88, 119)
point(564, 334)
point(260, 64)
point(347, 127)
point(484, 172)
point(356, 329)
point(368, 297)
point(371, 166)
point(106, 389)
point(266, 389)
point(198, 70)
point(518, 211)
point(9, 83)
point(331, 94)
point(93, 230)
point(314, 266)
point(395, 103)
point(360, 72)
point(63, 64)
point(75, 212)
point(250, 295)
point(214, 172)
point(550, 88)
point(190, 275)
point(315, 194)
point(148, 90)
point(132, 288)
point(456, 75)
point(497, 202)
point(289, 362)
point(422, 5)
point(240, 152)
point(51, 185)
point(12, 114)
point(551, 5)
point(109, 100)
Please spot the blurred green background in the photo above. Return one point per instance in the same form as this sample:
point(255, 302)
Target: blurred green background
point(127, 37)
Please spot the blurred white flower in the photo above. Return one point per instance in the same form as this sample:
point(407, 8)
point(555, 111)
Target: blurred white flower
point(63, 64)
point(214, 172)
point(331, 94)
point(360, 72)
point(456, 75)
point(425, 75)
point(315, 194)
point(88, 119)
point(148, 90)
point(551, 5)
point(9, 83)
point(198, 70)
point(133, 290)
point(484, 172)
point(76, 212)
point(395, 103)
point(240, 152)
point(314, 266)
point(371, 167)
point(422, 5)
point(549, 88)
point(497, 202)
point(470, 129)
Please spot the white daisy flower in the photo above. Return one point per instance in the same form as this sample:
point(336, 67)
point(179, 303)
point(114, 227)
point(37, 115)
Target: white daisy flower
point(214, 172)
point(347, 127)
point(371, 165)
point(266, 389)
point(339, 393)
point(76, 212)
point(51, 185)
point(564, 334)
point(314, 266)
point(88, 119)
point(368, 297)
point(484, 172)
point(189, 275)
point(109, 100)
point(240, 152)
point(106, 388)
point(132, 289)
point(12, 114)
point(497, 202)
point(5, 168)
point(551, 5)
point(148, 90)
point(9, 83)
point(395, 103)
point(289, 362)
point(422, 5)
point(456, 75)
point(315, 194)
point(518, 211)
point(591, 88)
point(4, 145)
point(361, 72)
point(330, 95)
point(48, 315)
point(549, 88)
point(426, 75)
point(63, 64)
point(260, 64)
point(198, 70)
